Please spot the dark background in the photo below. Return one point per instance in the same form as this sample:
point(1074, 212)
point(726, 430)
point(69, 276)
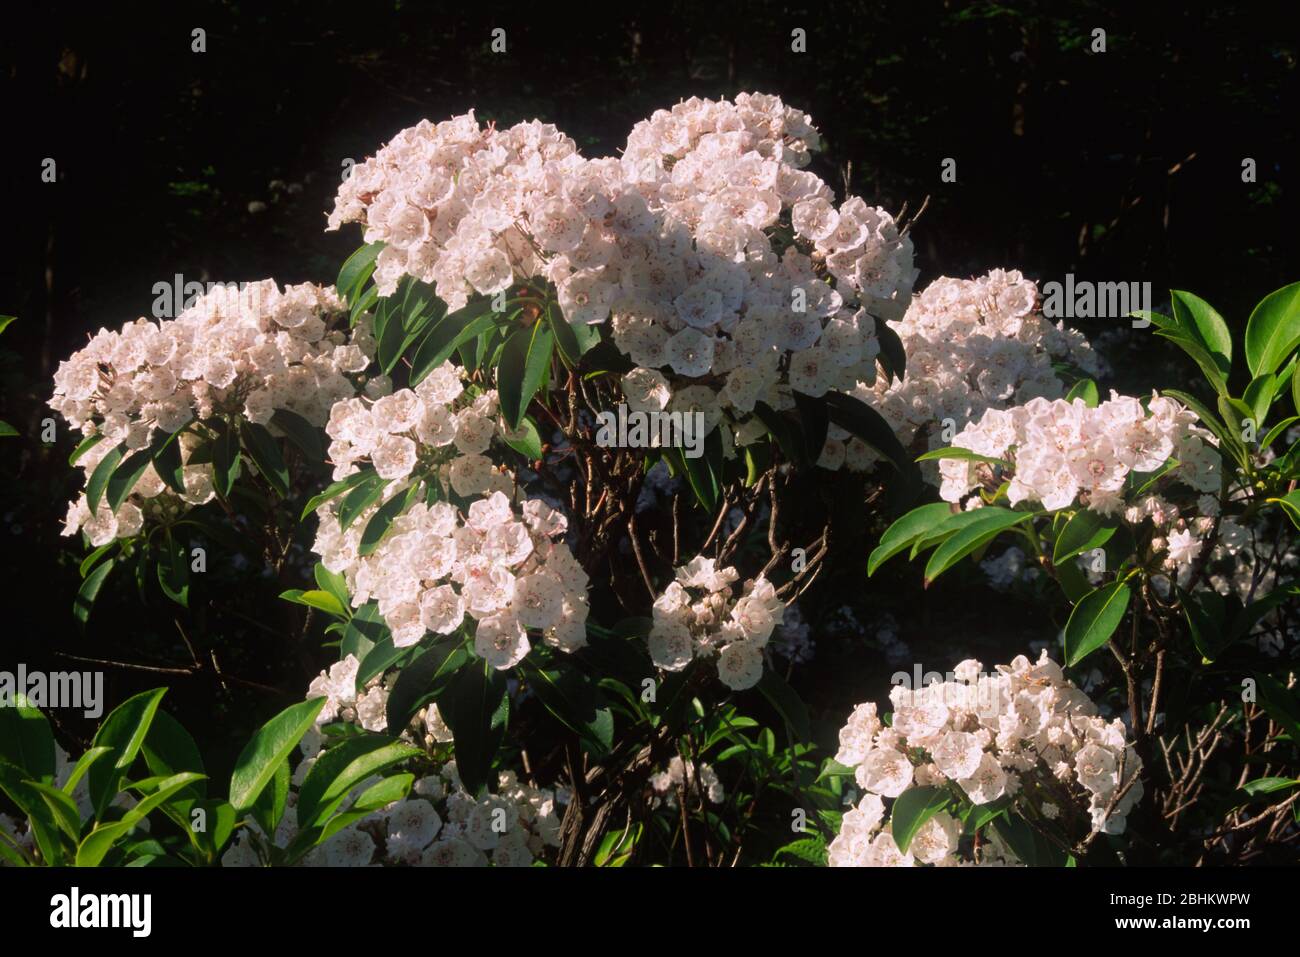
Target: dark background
point(1120, 166)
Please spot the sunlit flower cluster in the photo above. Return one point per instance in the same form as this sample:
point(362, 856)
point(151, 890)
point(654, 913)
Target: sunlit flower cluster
point(244, 351)
point(494, 561)
point(726, 273)
point(697, 616)
point(974, 345)
point(1024, 733)
point(682, 775)
point(1061, 451)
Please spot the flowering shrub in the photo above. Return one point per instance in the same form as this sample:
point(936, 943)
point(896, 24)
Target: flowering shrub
point(539, 643)
point(965, 750)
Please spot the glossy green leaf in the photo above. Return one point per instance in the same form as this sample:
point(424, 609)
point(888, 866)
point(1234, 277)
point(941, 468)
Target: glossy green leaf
point(913, 808)
point(1273, 330)
point(270, 746)
point(1094, 620)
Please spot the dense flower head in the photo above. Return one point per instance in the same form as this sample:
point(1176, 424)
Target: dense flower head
point(240, 350)
point(698, 616)
point(1062, 451)
point(974, 345)
point(1024, 733)
point(698, 781)
point(722, 266)
point(492, 560)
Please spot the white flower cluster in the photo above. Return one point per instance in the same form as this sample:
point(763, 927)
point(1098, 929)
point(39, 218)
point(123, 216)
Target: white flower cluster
point(1062, 451)
point(150, 498)
point(496, 563)
point(246, 350)
point(677, 241)
point(974, 345)
point(1025, 733)
point(684, 774)
point(696, 616)
point(436, 423)
point(338, 687)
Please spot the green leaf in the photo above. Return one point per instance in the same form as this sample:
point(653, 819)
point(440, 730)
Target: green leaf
point(169, 750)
point(703, 472)
point(901, 534)
point(1290, 504)
point(787, 703)
point(379, 658)
point(422, 680)
point(815, 423)
point(124, 730)
point(336, 489)
point(26, 741)
point(1229, 439)
point(333, 583)
point(382, 520)
point(1205, 615)
point(525, 365)
point(979, 531)
point(1082, 533)
point(267, 749)
point(98, 480)
point(1279, 703)
point(225, 458)
point(1209, 364)
point(577, 704)
point(62, 807)
point(810, 850)
point(1276, 431)
point(1273, 330)
point(82, 766)
point(783, 433)
point(1199, 320)
point(45, 829)
point(84, 446)
point(573, 340)
point(1086, 390)
point(343, 767)
point(445, 338)
point(892, 357)
point(265, 453)
point(855, 416)
point(173, 570)
point(1019, 837)
point(1259, 396)
point(954, 452)
point(89, 590)
point(1094, 620)
point(529, 442)
point(356, 270)
point(366, 493)
point(7, 430)
point(307, 437)
point(1268, 785)
point(913, 808)
point(365, 629)
point(472, 702)
point(125, 476)
point(322, 600)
